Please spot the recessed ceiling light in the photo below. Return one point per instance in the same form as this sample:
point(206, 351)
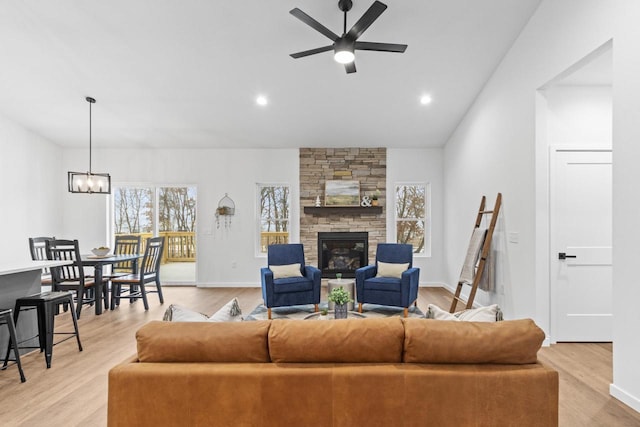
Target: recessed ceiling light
point(262, 100)
point(425, 99)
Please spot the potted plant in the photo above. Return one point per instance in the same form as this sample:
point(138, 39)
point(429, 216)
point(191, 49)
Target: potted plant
point(374, 198)
point(340, 297)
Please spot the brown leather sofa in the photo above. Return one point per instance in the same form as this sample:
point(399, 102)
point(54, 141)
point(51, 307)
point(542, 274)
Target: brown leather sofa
point(354, 372)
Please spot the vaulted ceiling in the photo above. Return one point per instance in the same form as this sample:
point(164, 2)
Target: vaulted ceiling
point(185, 73)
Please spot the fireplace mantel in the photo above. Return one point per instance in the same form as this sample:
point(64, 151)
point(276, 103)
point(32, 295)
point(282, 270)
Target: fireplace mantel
point(343, 210)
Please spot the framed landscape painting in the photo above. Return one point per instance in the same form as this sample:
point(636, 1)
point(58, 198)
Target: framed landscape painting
point(342, 193)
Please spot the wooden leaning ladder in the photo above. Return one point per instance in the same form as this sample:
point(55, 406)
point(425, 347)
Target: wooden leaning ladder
point(486, 247)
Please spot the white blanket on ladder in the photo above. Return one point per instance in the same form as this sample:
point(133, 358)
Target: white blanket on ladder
point(473, 252)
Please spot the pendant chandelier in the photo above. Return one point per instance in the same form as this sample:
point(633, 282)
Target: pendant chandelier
point(89, 182)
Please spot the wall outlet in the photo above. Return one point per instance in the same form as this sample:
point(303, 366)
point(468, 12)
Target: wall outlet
point(234, 264)
point(513, 237)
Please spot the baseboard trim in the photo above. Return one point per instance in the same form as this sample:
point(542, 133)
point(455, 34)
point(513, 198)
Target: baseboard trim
point(624, 397)
point(257, 285)
point(228, 285)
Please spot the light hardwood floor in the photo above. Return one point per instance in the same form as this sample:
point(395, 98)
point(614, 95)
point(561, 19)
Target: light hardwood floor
point(74, 391)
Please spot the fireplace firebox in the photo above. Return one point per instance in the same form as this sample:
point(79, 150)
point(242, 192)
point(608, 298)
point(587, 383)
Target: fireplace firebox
point(342, 252)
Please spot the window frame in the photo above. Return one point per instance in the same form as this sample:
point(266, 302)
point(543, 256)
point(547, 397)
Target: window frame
point(258, 215)
point(426, 253)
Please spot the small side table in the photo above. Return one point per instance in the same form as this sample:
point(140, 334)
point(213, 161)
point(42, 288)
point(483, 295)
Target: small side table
point(348, 285)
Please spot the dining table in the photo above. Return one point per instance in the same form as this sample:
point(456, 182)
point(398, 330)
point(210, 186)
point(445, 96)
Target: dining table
point(98, 263)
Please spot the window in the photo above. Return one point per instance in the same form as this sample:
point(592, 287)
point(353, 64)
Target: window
point(273, 220)
point(168, 211)
point(411, 217)
point(133, 210)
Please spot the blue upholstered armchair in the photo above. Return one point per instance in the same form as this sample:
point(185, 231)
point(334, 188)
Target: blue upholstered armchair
point(400, 286)
point(284, 283)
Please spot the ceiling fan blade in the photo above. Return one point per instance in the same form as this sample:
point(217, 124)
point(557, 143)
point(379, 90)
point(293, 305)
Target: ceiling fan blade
point(314, 24)
point(350, 67)
point(311, 52)
point(366, 20)
point(383, 47)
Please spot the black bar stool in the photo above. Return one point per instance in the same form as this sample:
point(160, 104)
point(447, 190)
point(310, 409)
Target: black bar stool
point(7, 319)
point(47, 304)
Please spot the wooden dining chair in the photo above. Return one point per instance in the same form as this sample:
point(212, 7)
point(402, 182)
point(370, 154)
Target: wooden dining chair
point(125, 244)
point(134, 286)
point(71, 277)
point(38, 252)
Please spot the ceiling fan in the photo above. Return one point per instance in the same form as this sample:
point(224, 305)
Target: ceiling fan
point(345, 45)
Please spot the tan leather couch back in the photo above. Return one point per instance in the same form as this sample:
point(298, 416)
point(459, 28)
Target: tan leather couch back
point(389, 340)
point(344, 341)
point(203, 342)
point(443, 341)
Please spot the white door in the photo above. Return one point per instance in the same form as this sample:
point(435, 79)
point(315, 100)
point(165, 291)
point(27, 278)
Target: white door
point(581, 228)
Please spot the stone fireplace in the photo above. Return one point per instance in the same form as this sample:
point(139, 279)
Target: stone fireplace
point(368, 166)
point(342, 252)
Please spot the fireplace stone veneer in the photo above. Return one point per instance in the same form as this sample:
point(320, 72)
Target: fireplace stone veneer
point(366, 165)
point(342, 252)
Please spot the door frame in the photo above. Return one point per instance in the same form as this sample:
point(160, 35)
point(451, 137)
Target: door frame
point(550, 252)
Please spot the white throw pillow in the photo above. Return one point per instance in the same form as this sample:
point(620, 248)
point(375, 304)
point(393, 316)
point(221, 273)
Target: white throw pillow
point(177, 313)
point(230, 312)
point(283, 271)
point(491, 313)
point(387, 269)
point(435, 312)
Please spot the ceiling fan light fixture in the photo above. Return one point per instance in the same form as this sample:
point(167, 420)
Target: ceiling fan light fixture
point(344, 52)
point(344, 56)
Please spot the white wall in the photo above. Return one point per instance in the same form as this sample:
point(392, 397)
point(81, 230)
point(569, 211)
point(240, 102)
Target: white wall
point(580, 116)
point(494, 150)
point(420, 166)
point(626, 202)
point(214, 172)
point(29, 169)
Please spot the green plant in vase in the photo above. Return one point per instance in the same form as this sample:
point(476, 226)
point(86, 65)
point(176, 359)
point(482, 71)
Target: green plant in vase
point(374, 198)
point(340, 297)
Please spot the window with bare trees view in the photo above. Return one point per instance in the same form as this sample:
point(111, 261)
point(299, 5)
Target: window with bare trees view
point(161, 211)
point(273, 205)
point(133, 210)
point(411, 216)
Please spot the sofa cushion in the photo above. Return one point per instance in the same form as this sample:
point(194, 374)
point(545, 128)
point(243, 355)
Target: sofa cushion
point(336, 341)
point(178, 313)
point(203, 342)
point(382, 284)
point(490, 313)
point(288, 270)
point(507, 342)
point(292, 284)
point(388, 269)
point(230, 312)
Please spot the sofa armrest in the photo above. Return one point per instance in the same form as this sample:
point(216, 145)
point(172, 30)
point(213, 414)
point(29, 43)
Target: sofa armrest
point(266, 278)
point(363, 274)
point(409, 285)
point(315, 275)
